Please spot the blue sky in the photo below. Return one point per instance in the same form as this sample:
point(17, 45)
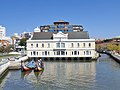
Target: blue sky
point(101, 18)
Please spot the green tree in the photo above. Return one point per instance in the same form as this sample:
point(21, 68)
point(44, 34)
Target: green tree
point(113, 47)
point(110, 47)
point(23, 42)
point(2, 49)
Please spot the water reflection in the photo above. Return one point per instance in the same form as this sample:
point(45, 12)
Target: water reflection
point(25, 74)
point(56, 76)
point(31, 75)
point(101, 75)
point(68, 74)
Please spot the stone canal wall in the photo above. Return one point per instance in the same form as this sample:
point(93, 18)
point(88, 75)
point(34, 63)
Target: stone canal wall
point(4, 66)
point(114, 55)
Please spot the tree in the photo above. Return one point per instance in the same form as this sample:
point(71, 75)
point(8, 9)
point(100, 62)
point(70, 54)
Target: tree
point(9, 48)
point(2, 49)
point(113, 47)
point(6, 49)
point(23, 42)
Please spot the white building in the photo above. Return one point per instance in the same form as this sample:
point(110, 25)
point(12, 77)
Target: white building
point(2, 32)
point(3, 39)
point(64, 42)
point(37, 29)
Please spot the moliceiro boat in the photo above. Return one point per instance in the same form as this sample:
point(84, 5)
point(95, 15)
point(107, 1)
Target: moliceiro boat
point(24, 67)
point(39, 65)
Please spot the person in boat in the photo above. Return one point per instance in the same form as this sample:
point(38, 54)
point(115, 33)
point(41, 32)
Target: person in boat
point(40, 63)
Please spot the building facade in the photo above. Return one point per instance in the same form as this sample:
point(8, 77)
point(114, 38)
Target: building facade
point(61, 40)
point(3, 39)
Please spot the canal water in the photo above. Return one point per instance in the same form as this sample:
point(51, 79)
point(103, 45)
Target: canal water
point(103, 74)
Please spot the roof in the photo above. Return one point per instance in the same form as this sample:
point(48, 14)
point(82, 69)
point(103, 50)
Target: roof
point(49, 35)
point(78, 35)
point(42, 35)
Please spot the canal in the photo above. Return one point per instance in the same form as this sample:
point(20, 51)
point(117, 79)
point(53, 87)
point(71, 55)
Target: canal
point(103, 74)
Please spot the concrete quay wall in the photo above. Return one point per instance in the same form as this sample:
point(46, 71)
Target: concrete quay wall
point(4, 68)
point(114, 55)
point(11, 65)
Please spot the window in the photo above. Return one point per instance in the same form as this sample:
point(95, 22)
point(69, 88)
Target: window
point(66, 53)
point(33, 52)
point(36, 45)
point(84, 52)
point(62, 45)
point(78, 52)
point(62, 53)
point(72, 52)
point(48, 45)
point(58, 52)
point(87, 52)
point(71, 44)
point(48, 53)
point(75, 52)
point(89, 44)
point(42, 45)
point(58, 45)
point(42, 53)
point(83, 44)
point(78, 44)
point(37, 53)
point(31, 45)
point(90, 52)
point(45, 52)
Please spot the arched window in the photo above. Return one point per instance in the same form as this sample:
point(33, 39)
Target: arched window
point(72, 52)
point(89, 44)
point(83, 44)
point(36, 45)
point(72, 45)
point(78, 44)
point(33, 52)
point(42, 45)
point(48, 45)
point(31, 45)
point(45, 52)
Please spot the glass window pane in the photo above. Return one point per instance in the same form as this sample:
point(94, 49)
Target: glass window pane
point(62, 53)
point(62, 45)
point(36, 45)
point(58, 52)
point(42, 45)
point(58, 45)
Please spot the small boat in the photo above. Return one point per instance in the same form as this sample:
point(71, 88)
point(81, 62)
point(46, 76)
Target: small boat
point(23, 67)
point(39, 66)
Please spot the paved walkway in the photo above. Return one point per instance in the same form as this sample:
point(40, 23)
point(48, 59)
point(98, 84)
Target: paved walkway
point(117, 56)
point(6, 64)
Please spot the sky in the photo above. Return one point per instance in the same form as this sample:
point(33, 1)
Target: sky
point(101, 18)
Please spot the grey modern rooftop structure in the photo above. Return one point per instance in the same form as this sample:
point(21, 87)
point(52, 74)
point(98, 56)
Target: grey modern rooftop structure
point(74, 31)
